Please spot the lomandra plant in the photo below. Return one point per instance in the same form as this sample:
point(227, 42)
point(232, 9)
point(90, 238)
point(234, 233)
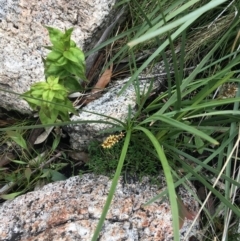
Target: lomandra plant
point(64, 66)
point(188, 119)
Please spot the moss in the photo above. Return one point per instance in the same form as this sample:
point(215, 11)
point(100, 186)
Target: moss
point(139, 162)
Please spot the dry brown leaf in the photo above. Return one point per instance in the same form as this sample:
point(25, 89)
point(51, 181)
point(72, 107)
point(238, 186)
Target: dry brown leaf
point(97, 89)
point(104, 80)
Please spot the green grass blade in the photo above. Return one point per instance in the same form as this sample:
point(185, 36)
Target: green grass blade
point(198, 69)
point(194, 15)
point(214, 191)
point(175, 8)
point(155, 54)
point(198, 168)
point(182, 126)
point(209, 88)
point(200, 163)
point(57, 124)
point(113, 186)
point(212, 113)
point(169, 180)
point(111, 40)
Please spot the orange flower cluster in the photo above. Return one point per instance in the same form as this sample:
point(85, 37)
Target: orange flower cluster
point(112, 140)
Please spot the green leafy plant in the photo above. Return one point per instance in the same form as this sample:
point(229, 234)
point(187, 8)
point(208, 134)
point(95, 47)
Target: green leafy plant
point(65, 60)
point(51, 100)
point(63, 68)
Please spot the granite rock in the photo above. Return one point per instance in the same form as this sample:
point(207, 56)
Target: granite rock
point(110, 104)
point(22, 36)
point(70, 210)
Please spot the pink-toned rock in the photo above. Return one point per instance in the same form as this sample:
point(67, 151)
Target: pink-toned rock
point(70, 210)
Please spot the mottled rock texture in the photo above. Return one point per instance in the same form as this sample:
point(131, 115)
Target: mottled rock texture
point(69, 210)
point(110, 104)
point(22, 36)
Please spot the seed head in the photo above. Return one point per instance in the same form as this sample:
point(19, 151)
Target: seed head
point(112, 140)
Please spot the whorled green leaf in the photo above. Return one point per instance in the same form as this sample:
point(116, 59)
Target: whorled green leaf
point(77, 70)
point(74, 54)
point(68, 33)
point(53, 100)
point(54, 56)
point(59, 96)
point(39, 86)
point(56, 36)
point(52, 69)
point(58, 46)
point(44, 119)
point(32, 102)
point(46, 116)
point(66, 106)
point(64, 116)
point(58, 87)
point(47, 108)
point(62, 93)
point(45, 95)
point(37, 93)
point(53, 79)
point(60, 62)
point(72, 84)
point(48, 95)
point(67, 38)
point(72, 43)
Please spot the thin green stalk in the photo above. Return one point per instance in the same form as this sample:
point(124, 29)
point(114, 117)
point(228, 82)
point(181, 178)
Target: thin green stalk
point(113, 186)
point(196, 169)
point(233, 128)
point(169, 180)
point(157, 52)
point(176, 70)
point(194, 15)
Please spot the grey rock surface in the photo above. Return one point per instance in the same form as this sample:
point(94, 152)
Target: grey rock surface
point(22, 36)
point(110, 104)
point(70, 210)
